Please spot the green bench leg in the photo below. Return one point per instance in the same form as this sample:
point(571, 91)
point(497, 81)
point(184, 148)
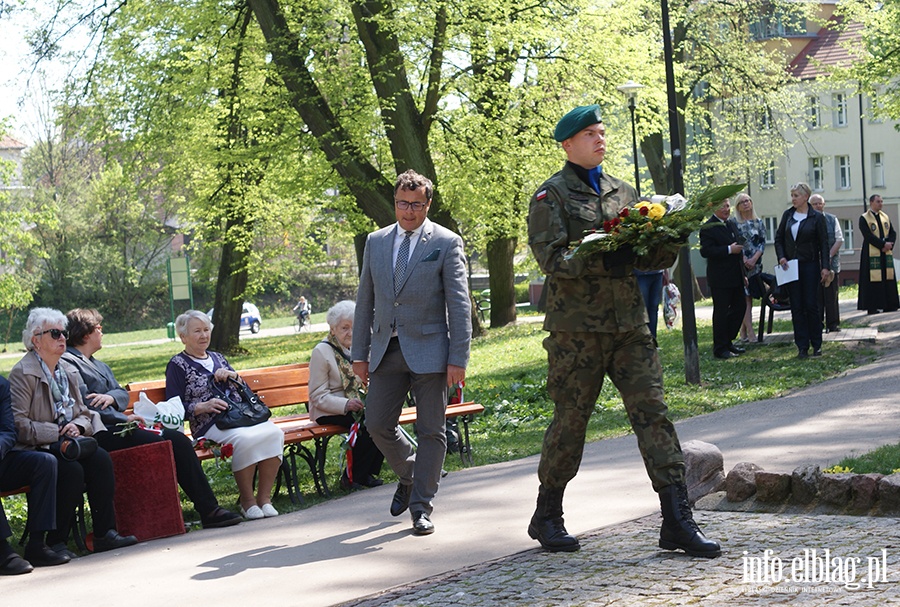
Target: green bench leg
point(288, 471)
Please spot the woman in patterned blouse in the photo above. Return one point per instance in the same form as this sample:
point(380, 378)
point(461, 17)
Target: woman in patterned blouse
point(257, 448)
point(753, 231)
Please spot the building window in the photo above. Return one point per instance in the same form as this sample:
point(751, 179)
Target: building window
point(840, 109)
point(780, 23)
point(842, 166)
point(816, 174)
point(815, 118)
point(767, 179)
point(847, 226)
point(765, 119)
point(874, 105)
point(771, 224)
point(877, 169)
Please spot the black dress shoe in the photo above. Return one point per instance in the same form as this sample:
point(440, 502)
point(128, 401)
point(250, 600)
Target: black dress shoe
point(725, 355)
point(348, 485)
point(112, 540)
point(401, 499)
point(372, 481)
point(736, 349)
point(817, 352)
point(62, 549)
point(220, 518)
point(14, 564)
point(43, 556)
point(422, 525)
point(803, 354)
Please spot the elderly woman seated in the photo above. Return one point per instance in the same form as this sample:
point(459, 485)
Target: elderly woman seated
point(47, 406)
point(257, 448)
point(334, 396)
point(104, 395)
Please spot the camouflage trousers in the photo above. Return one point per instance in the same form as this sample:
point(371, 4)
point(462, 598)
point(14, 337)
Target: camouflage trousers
point(578, 362)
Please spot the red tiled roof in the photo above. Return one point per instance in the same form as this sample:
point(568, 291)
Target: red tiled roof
point(8, 143)
point(828, 49)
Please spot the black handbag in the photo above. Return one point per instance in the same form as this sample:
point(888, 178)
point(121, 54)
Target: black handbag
point(74, 448)
point(244, 407)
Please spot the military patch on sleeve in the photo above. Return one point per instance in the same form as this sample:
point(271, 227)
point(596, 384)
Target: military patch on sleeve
point(540, 195)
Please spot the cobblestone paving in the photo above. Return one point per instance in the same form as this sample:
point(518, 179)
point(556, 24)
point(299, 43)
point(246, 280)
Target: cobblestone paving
point(621, 566)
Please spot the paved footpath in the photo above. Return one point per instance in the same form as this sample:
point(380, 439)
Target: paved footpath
point(350, 551)
point(616, 567)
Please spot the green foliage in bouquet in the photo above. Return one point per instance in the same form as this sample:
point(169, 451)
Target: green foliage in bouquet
point(664, 223)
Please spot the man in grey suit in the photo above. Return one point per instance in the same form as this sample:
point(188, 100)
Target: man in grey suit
point(411, 332)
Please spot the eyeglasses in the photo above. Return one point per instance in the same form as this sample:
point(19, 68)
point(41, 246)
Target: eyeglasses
point(415, 206)
point(54, 333)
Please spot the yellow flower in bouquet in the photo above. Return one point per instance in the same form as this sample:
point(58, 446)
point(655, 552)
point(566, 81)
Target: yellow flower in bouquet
point(665, 222)
point(655, 210)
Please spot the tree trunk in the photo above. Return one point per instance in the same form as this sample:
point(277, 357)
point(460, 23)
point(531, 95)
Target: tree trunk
point(229, 303)
point(237, 235)
point(373, 191)
point(500, 253)
point(652, 148)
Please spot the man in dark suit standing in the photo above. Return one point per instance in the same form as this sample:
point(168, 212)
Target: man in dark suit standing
point(411, 333)
point(720, 245)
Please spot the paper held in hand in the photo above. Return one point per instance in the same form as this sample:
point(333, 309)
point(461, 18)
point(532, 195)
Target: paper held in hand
point(792, 273)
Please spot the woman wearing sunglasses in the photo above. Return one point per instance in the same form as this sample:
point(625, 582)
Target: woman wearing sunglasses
point(47, 406)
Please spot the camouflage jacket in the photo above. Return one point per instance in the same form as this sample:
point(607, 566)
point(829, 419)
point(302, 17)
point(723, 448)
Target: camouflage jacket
point(581, 294)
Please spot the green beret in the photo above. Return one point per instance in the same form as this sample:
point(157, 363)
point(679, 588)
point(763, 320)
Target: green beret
point(577, 120)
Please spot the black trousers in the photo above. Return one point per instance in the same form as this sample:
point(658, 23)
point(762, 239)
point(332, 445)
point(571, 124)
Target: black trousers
point(729, 306)
point(828, 302)
point(367, 459)
point(187, 467)
point(95, 473)
point(806, 316)
point(38, 470)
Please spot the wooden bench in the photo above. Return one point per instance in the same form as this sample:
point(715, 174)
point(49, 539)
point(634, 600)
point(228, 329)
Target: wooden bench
point(288, 385)
point(79, 529)
point(20, 491)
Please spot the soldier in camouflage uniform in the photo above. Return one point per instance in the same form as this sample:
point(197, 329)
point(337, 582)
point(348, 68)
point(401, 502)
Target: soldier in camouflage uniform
point(598, 325)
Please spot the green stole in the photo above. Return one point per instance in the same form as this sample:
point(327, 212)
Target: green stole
point(874, 252)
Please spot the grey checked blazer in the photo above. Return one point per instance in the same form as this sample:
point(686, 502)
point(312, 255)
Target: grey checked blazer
point(432, 309)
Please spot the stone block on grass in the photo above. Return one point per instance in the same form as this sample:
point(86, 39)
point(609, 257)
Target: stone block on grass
point(834, 489)
point(805, 484)
point(704, 469)
point(864, 491)
point(772, 487)
point(740, 483)
point(889, 493)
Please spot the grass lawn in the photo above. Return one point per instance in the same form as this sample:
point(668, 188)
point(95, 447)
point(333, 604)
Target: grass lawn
point(883, 460)
point(507, 374)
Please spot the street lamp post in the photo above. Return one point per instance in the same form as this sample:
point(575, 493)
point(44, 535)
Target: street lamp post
point(631, 89)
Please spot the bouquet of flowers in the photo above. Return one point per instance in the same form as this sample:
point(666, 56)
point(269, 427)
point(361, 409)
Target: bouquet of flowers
point(350, 439)
point(136, 423)
point(665, 222)
point(220, 452)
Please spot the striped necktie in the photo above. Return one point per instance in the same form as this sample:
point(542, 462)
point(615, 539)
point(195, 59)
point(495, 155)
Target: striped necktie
point(402, 261)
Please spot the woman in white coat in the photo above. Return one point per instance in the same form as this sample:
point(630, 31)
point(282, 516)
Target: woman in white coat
point(334, 397)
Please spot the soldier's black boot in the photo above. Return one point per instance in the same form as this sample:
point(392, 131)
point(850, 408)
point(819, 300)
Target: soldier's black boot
point(546, 525)
point(679, 531)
